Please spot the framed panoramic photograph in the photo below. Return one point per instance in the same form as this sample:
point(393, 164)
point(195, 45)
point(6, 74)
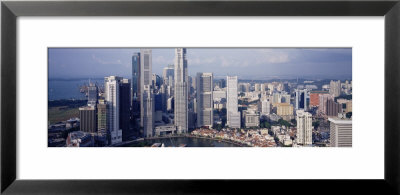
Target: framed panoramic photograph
point(223, 97)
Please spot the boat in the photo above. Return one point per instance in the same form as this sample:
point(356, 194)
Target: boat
point(182, 145)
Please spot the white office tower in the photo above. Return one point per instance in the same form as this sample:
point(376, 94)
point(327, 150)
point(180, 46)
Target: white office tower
point(146, 93)
point(111, 92)
point(233, 115)
point(304, 128)
point(335, 88)
point(181, 91)
point(340, 132)
point(204, 99)
point(265, 106)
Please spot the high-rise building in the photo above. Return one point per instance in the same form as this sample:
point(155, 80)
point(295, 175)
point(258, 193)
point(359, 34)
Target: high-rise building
point(147, 96)
point(135, 84)
point(87, 115)
point(102, 116)
point(335, 88)
point(314, 97)
point(332, 108)
point(285, 111)
point(233, 115)
point(251, 118)
point(302, 99)
point(340, 132)
point(285, 98)
point(112, 93)
point(124, 108)
point(204, 99)
point(92, 94)
point(181, 91)
point(304, 128)
point(323, 98)
point(276, 98)
point(168, 75)
point(265, 106)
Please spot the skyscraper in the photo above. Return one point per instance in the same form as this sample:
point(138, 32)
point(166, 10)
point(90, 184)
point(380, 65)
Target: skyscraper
point(302, 99)
point(124, 107)
point(340, 132)
point(333, 108)
point(102, 116)
point(335, 88)
point(92, 94)
point(168, 74)
point(204, 99)
point(135, 84)
point(111, 90)
point(265, 106)
point(181, 91)
point(233, 115)
point(304, 128)
point(147, 96)
point(87, 115)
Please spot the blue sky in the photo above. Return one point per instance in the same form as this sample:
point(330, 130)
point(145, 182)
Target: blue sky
point(247, 63)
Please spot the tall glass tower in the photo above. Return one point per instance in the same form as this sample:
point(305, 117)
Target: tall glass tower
point(181, 91)
point(146, 93)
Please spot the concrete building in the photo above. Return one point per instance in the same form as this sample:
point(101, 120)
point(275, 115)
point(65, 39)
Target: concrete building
point(304, 128)
point(147, 96)
point(302, 99)
point(181, 91)
point(314, 97)
point(92, 94)
point(88, 119)
point(285, 111)
point(265, 106)
point(323, 98)
point(79, 139)
point(102, 117)
point(340, 132)
point(112, 93)
point(335, 88)
point(233, 115)
point(204, 99)
point(251, 119)
point(333, 108)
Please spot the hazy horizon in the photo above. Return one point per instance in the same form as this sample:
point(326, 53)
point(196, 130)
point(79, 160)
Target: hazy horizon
point(246, 63)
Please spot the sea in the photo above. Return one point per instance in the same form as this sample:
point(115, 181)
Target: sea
point(69, 89)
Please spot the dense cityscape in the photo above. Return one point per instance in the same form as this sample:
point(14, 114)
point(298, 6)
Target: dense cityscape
point(178, 110)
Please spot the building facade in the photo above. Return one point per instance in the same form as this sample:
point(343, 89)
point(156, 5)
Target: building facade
point(111, 95)
point(146, 93)
point(340, 132)
point(233, 115)
point(335, 88)
point(87, 115)
point(304, 128)
point(135, 84)
point(181, 91)
point(204, 99)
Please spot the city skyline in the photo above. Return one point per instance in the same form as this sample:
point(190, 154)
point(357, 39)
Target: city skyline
point(150, 109)
point(285, 63)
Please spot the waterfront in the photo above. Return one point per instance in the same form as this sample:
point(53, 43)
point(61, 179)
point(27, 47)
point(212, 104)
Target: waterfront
point(189, 141)
point(68, 89)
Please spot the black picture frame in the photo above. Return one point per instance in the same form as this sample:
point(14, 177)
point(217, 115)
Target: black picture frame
point(11, 10)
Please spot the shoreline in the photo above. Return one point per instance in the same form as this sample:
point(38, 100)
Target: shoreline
point(182, 136)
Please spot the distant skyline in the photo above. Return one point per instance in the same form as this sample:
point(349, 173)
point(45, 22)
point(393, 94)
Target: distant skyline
point(246, 63)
